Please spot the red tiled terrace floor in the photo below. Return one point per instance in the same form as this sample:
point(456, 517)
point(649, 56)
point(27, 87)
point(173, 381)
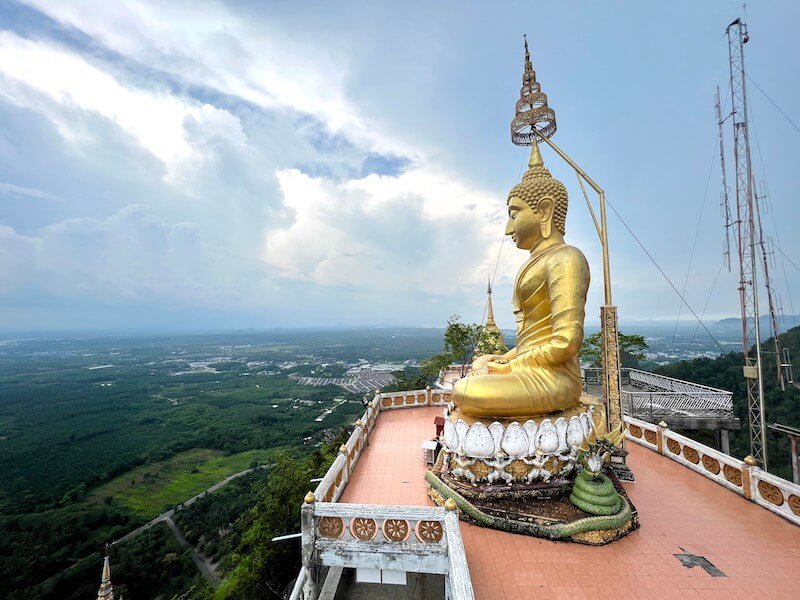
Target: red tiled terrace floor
point(679, 510)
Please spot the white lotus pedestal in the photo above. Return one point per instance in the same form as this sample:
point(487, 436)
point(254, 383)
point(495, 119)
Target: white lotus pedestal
point(517, 476)
point(544, 450)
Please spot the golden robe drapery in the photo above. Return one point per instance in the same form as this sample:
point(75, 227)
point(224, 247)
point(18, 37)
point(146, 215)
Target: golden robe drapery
point(549, 299)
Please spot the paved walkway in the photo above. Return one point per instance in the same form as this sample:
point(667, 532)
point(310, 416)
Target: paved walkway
point(391, 469)
point(680, 511)
point(206, 567)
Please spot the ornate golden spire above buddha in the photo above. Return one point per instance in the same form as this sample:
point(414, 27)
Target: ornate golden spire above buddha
point(532, 111)
point(542, 374)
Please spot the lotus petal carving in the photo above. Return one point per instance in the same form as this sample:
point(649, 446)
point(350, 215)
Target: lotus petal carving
point(547, 437)
point(574, 433)
point(497, 430)
point(586, 423)
point(461, 430)
point(450, 435)
point(561, 427)
point(515, 440)
point(479, 441)
point(530, 428)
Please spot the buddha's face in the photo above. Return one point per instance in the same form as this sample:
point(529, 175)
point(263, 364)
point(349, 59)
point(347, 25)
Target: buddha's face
point(525, 223)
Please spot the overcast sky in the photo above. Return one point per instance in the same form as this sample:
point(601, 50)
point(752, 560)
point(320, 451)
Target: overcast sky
point(204, 165)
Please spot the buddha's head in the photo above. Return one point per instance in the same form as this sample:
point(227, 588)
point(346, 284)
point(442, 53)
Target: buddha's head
point(537, 206)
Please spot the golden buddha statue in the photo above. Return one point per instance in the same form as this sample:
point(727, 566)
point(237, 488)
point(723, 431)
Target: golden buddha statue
point(542, 373)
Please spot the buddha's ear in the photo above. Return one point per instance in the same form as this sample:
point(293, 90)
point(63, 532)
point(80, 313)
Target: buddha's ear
point(546, 205)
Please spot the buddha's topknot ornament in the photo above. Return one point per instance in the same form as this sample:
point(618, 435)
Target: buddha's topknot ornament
point(532, 112)
point(537, 182)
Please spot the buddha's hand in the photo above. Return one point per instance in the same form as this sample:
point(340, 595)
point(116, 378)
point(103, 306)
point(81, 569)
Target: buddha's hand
point(479, 366)
point(498, 358)
point(498, 368)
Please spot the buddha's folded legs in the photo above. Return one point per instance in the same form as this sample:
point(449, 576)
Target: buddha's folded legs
point(512, 396)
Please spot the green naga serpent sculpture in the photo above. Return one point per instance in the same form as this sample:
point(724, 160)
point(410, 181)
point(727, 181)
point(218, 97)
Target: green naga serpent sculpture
point(552, 531)
point(592, 491)
point(595, 496)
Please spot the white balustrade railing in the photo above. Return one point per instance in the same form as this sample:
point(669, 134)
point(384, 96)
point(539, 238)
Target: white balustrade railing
point(410, 399)
point(723, 468)
point(297, 588)
point(403, 538)
point(774, 493)
point(400, 538)
point(417, 539)
point(335, 479)
point(642, 432)
point(458, 584)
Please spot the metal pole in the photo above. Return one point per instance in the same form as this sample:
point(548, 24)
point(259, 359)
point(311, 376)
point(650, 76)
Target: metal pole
point(762, 424)
point(608, 312)
point(724, 204)
point(603, 230)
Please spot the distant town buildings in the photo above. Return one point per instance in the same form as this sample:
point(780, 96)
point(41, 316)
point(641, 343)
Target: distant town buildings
point(360, 383)
point(360, 378)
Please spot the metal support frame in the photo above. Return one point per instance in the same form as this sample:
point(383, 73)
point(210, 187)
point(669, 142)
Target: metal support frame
point(793, 433)
point(608, 312)
point(535, 121)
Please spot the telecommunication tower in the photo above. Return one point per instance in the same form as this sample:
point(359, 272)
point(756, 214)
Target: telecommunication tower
point(751, 247)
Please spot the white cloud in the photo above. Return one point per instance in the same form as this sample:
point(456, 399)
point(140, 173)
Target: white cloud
point(221, 95)
point(16, 253)
point(19, 190)
point(418, 232)
point(205, 44)
point(155, 119)
point(238, 225)
point(132, 255)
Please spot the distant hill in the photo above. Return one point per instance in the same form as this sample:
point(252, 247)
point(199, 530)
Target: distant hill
point(725, 372)
point(735, 324)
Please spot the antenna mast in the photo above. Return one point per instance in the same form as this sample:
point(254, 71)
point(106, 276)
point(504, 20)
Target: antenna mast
point(745, 225)
point(750, 244)
point(724, 204)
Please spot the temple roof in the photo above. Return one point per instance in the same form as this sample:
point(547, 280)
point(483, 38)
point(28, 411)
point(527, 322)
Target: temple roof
point(684, 517)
